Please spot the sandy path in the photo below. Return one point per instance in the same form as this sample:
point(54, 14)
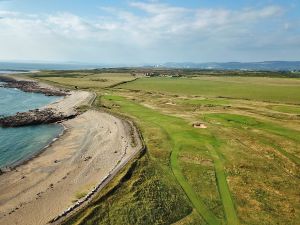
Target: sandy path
point(93, 145)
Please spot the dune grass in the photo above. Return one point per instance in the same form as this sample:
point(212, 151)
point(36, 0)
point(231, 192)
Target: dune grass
point(143, 193)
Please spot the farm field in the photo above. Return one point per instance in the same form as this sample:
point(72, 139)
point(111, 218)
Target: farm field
point(240, 167)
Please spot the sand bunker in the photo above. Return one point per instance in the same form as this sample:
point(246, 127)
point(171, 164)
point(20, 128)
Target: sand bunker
point(199, 125)
point(170, 103)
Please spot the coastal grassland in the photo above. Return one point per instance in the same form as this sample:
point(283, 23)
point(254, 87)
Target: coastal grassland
point(292, 109)
point(260, 148)
point(82, 79)
point(144, 192)
point(242, 169)
point(261, 89)
point(180, 136)
point(259, 155)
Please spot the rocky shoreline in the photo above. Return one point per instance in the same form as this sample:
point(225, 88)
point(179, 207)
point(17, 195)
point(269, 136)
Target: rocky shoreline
point(31, 86)
point(34, 117)
point(37, 116)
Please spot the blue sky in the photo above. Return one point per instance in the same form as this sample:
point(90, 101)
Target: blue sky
point(157, 31)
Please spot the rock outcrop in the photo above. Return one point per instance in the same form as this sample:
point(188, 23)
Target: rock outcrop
point(30, 86)
point(34, 117)
point(37, 116)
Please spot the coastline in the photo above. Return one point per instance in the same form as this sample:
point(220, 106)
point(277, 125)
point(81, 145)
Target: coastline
point(93, 147)
point(4, 77)
point(43, 115)
point(69, 114)
point(21, 162)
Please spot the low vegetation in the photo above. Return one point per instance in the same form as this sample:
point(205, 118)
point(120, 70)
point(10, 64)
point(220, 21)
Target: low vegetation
point(242, 167)
point(82, 79)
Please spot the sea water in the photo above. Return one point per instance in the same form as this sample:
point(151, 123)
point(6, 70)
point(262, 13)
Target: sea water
point(18, 144)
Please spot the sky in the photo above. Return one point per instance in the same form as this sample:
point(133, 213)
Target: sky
point(153, 31)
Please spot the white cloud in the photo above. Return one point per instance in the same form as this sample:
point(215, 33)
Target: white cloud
point(159, 32)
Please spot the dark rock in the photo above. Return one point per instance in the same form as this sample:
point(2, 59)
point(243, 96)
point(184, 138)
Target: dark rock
point(30, 86)
point(87, 158)
point(33, 117)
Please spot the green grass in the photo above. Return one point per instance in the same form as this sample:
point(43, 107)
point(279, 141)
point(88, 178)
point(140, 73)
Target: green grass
point(247, 122)
point(204, 102)
point(83, 80)
point(181, 133)
point(287, 91)
point(242, 169)
point(143, 193)
point(228, 204)
point(80, 195)
point(286, 109)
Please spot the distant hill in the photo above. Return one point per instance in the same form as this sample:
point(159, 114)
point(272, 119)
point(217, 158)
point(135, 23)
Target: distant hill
point(267, 65)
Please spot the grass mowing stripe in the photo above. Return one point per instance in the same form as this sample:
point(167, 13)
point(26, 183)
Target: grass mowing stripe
point(199, 205)
point(223, 188)
point(208, 216)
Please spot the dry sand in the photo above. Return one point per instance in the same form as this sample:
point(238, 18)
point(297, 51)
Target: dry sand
point(69, 103)
point(94, 144)
point(38, 191)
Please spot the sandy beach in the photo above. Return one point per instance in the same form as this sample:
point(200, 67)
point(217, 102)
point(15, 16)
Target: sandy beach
point(93, 145)
point(70, 102)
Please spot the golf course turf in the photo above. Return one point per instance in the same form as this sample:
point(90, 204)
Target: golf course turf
point(240, 168)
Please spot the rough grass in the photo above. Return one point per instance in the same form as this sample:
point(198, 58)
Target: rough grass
point(83, 80)
point(292, 109)
point(247, 122)
point(258, 172)
point(143, 193)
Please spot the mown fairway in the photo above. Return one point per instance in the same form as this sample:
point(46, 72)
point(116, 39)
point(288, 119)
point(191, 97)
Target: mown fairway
point(243, 168)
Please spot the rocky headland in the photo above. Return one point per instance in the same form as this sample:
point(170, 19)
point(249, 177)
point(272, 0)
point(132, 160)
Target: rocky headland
point(31, 86)
point(62, 110)
point(34, 117)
